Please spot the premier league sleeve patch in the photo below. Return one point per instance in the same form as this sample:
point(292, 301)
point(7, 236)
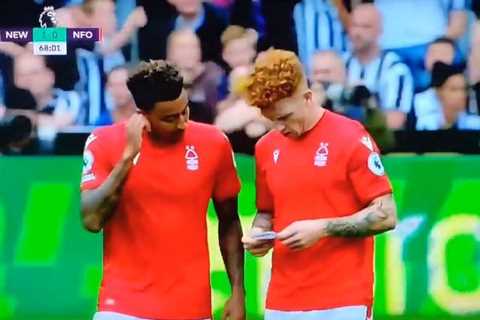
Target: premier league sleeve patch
point(88, 160)
point(375, 164)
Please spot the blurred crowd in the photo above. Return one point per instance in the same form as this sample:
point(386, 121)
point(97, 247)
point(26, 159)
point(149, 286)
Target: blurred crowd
point(393, 65)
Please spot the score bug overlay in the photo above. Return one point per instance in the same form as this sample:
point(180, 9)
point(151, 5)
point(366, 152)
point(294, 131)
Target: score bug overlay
point(50, 39)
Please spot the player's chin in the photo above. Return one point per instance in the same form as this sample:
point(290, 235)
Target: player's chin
point(176, 135)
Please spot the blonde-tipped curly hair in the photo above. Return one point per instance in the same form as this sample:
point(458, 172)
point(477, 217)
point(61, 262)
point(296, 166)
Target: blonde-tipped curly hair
point(277, 75)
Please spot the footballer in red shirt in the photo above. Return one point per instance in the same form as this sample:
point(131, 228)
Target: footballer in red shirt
point(322, 190)
point(147, 183)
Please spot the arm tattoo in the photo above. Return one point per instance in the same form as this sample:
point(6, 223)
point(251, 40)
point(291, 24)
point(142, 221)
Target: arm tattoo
point(359, 226)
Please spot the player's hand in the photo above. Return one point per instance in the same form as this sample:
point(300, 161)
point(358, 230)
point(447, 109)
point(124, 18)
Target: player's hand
point(135, 127)
point(256, 247)
point(235, 306)
point(302, 234)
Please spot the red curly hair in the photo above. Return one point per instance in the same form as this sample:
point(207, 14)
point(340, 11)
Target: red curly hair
point(277, 75)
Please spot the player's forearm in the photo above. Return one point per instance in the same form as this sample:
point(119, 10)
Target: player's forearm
point(379, 217)
point(230, 236)
point(263, 220)
point(98, 204)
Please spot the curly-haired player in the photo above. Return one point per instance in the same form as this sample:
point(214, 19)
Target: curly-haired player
point(147, 183)
point(322, 188)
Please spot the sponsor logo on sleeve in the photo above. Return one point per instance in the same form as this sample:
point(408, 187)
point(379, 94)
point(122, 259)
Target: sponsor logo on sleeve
point(375, 164)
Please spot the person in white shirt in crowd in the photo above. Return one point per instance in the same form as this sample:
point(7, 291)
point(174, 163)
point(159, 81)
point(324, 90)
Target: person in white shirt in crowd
point(444, 105)
point(410, 26)
point(382, 72)
point(55, 109)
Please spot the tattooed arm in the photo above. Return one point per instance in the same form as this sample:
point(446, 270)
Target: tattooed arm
point(378, 217)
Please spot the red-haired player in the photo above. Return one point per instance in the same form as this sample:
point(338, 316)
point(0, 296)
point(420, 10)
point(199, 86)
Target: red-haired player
point(322, 188)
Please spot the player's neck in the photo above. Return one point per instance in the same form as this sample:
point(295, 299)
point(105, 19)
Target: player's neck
point(166, 140)
point(316, 114)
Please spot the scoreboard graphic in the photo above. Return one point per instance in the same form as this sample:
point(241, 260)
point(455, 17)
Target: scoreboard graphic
point(50, 39)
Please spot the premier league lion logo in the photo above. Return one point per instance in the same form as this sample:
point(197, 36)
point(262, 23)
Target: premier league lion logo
point(48, 18)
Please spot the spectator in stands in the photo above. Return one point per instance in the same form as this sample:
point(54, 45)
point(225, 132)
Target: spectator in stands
point(201, 79)
point(328, 80)
point(320, 25)
point(2, 95)
point(410, 26)
point(327, 76)
point(239, 50)
point(444, 105)
point(239, 46)
point(474, 58)
point(55, 108)
point(440, 50)
point(382, 72)
point(94, 65)
point(474, 71)
point(120, 103)
point(235, 115)
point(101, 14)
point(206, 20)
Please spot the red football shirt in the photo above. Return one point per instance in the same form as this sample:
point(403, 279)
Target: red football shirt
point(334, 170)
point(156, 261)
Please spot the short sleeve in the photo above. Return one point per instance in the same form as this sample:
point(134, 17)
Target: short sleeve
point(96, 166)
point(264, 199)
point(366, 171)
point(227, 183)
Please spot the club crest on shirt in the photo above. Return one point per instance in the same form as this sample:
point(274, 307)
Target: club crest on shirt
point(191, 158)
point(375, 164)
point(321, 155)
point(276, 155)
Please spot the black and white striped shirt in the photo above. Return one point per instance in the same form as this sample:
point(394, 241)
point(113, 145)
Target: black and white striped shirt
point(386, 76)
point(318, 27)
point(63, 103)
